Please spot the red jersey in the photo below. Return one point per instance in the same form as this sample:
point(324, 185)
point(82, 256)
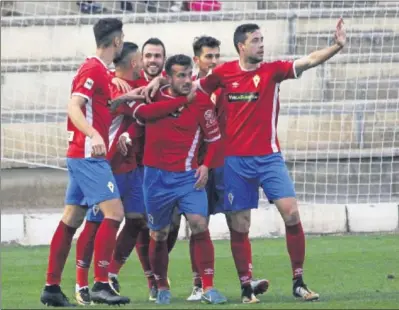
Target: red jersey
point(218, 161)
point(123, 121)
point(251, 103)
point(91, 82)
point(120, 123)
point(144, 80)
point(172, 142)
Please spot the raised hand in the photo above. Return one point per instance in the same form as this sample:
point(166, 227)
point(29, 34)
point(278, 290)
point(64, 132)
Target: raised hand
point(340, 33)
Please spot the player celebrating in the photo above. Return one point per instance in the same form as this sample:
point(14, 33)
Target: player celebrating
point(175, 178)
point(207, 55)
point(90, 176)
point(153, 59)
point(128, 178)
point(252, 106)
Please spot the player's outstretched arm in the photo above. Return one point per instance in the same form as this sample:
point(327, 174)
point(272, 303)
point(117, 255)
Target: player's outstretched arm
point(130, 96)
point(161, 109)
point(318, 57)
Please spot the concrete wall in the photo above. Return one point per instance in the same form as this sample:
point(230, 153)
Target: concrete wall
point(38, 228)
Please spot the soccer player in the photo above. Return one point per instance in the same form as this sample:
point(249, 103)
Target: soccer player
point(153, 58)
point(90, 177)
point(253, 155)
point(207, 56)
point(175, 178)
point(128, 178)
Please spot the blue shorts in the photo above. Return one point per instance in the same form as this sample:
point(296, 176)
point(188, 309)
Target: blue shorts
point(130, 186)
point(165, 190)
point(90, 182)
point(215, 190)
point(244, 174)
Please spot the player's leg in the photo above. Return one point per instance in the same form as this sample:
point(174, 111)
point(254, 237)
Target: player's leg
point(194, 204)
point(142, 248)
point(160, 198)
point(278, 187)
point(84, 254)
point(60, 246)
point(242, 195)
point(130, 186)
point(212, 194)
point(174, 230)
point(99, 188)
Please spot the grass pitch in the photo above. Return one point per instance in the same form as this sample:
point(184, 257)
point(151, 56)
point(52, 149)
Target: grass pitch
point(348, 272)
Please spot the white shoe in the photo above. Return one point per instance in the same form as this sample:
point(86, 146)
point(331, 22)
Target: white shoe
point(195, 294)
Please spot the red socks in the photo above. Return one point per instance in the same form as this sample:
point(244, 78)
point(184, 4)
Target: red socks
point(242, 254)
point(104, 246)
point(196, 276)
point(142, 249)
point(159, 260)
point(204, 257)
point(59, 250)
point(295, 239)
point(125, 244)
point(84, 252)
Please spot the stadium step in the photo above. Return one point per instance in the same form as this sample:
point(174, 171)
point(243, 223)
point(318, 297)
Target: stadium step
point(362, 89)
point(376, 41)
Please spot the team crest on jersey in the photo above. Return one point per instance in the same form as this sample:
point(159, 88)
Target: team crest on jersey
point(230, 196)
point(256, 80)
point(111, 186)
point(210, 118)
point(88, 84)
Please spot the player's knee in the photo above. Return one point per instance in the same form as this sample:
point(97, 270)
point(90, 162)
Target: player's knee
point(288, 208)
point(73, 216)
point(112, 209)
point(240, 221)
point(198, 223)
point(160, 235)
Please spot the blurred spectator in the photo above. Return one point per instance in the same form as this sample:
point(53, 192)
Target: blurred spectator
point(90, 7)
point(204, 5)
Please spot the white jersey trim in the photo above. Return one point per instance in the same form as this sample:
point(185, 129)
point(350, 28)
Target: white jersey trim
point(191, 151)
point(274, 115)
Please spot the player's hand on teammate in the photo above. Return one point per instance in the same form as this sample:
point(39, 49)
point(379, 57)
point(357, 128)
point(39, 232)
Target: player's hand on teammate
point(340, 33)
point(121, 84)
point(202, 176)
point(123, 143)
point(98, 145)
point(191, 96)
point(151, 89)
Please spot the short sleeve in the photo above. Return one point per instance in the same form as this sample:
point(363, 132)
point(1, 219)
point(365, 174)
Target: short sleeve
point(86, 81)
point(284, 70)
point(212, 81)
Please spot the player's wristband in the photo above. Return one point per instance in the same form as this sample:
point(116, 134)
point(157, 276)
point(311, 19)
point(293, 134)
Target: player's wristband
point(126, 135)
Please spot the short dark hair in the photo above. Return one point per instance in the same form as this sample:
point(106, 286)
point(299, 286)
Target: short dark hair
point(105, 30)
point(179, 59)
point(127, 49)
point(240, 34)
point(204, 41)
point(154, 41)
